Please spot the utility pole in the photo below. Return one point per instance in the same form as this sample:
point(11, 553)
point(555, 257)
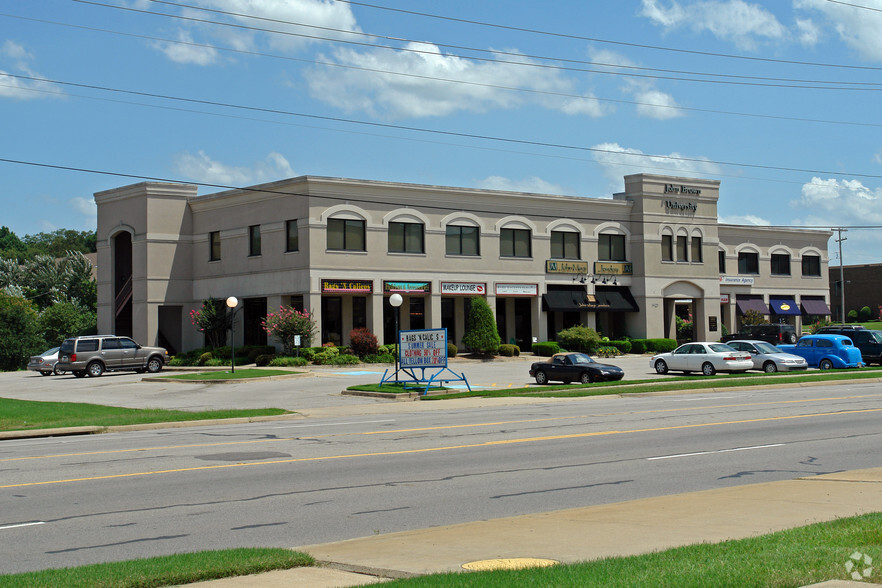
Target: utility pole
point(840, 230)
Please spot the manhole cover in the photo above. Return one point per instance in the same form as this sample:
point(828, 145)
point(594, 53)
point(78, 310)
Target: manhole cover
point(250, 456)
point(512, 563)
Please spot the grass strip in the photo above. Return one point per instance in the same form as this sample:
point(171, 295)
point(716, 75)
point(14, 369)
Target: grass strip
point(242, 374)
point(665, 385)
point(25, 415)
point(392, 388)
point(786, 559)
point(170, 570)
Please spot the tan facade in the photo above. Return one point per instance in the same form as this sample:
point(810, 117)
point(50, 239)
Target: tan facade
point(340, 247)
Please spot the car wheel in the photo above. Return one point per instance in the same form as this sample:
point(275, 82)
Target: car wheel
point(57, 371)
point(95, 369)
point(45, 373)
point(586, 378)
point(791, 337)
point(79, 373)
point(154, 365)
point(826, 364)
point(661, 367)
point(769, 367)
point(708, 369)
point(541, 377)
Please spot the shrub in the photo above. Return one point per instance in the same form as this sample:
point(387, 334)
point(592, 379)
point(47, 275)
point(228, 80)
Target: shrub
point(607, 351)
point(264, 359)
point(623, 346)
point(287, 324)
point(253, 351)
point(362, 342)
point(451, 350)
point(205, 358)
point(638, 345)
point(546, 348)
point(865, 314)
point(326, 356)
point(215, 362)
point(754, 317)
point(852, 316)
point(379, 358)
point(288, 362)
point(661, 345)
point(389, 348)
point(509, 350)
point(481, 335)
point(66, 319)
point(345, 359)
point(579, 338)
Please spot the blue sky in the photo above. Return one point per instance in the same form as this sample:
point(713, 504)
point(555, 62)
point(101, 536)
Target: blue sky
point(780, 101)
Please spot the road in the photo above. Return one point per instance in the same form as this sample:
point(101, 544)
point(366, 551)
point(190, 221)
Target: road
point(77, 500)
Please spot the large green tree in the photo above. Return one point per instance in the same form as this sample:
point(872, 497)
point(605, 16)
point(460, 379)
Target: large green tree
point(10, 245)
point(481, 335)
point(20, 334)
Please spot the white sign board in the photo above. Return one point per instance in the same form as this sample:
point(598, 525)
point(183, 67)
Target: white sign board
point(425, 348)
point(473, 288)
point(517, 289)
point(736, 281)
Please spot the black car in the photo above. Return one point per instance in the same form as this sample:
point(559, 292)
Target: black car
point(574, 367)
point(774, 334)
point(867, 340)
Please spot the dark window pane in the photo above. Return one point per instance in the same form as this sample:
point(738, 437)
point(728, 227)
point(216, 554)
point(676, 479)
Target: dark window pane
point(696, 250)
point(780, 264)
point(292, 238)
point(215, 246)
point(811, 265)
point(254, 240)
point(748, 263)
point(667, 248)
point(722, 259)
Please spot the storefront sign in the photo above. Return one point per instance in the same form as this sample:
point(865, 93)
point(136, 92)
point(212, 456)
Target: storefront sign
point(724, 299)
point(736, 281)
point(517, 289)
point(469, 288)
point(422, 349)
point(566, 267)
point(613, 269)
point(405, 287)
point(348, 286)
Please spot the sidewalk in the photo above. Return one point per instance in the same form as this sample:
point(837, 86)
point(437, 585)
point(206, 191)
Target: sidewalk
point(627, 528)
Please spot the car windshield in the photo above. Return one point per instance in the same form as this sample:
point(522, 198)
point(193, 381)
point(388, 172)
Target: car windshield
point(52, 351)
point(578, 358)
point(720, 347)
point(764, 347)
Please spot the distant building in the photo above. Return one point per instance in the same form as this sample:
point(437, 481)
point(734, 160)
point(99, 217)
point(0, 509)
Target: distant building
point(339, 247)
point(863, 287)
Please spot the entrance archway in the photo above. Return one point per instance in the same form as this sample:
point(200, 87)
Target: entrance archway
point(684, 293)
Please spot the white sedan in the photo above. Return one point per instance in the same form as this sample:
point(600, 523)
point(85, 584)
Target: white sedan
point(705, 357)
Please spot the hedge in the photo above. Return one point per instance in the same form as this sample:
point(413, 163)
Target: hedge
point(546, 348)
point(509, 350)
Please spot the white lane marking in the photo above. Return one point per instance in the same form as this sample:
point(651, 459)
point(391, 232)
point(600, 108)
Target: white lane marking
point(700, 398)
point(331, 424)
point(22, 525)
point(712, 452)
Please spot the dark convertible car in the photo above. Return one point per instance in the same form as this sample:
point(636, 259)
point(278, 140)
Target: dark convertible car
point(574, 367)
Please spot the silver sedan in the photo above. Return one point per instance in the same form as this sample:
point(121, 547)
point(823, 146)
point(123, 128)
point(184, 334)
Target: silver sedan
point(701, 356)
point(768, 358)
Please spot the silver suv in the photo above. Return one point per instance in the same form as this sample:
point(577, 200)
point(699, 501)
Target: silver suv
point(96, 354)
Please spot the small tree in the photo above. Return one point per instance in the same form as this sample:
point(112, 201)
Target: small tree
point(19, 332)
point(852, 316)
point(481, 335)
point(66, 319)
point(213, 320)
point(754, 317)
point(865, 314)
point(286, 324)
point(578, 338)
point(362, 342)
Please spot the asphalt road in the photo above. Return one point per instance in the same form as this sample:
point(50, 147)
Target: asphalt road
point(396, 466)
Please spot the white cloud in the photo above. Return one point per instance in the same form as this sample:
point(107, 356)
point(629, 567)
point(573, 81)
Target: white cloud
point(808, 32)
point(618, 161)
point(858, 28)
point(657, 104)
point(86, 208)
point(747, 219)
point(18, 88)
point(202, 168)
point(186, 52)
point(651, 102)
point(15, 51)
point(742, 23)
point(531, 185)
point(878, 157)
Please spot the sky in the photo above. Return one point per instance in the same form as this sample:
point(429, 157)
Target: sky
point(780, 101)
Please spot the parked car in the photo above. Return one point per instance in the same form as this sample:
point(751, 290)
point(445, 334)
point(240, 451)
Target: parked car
point(768, 358)
point(774, 334)
point(705, 357)
point(574, 367)
point(868, 341)
point(826, 351)
point(96, 354)
point(45, 363)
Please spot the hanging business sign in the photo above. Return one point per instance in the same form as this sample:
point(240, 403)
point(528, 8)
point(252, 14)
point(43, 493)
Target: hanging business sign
point(556, 266)
point(426, 348)
point(468, 288)
point(348, 286)
point(613, 269)
point(724, 299)
point(407, 287)
point(517, 289)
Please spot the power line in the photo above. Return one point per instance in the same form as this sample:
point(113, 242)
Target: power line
point(797, 84)
point(438, 131)
point(855, 5)
point(446, 80)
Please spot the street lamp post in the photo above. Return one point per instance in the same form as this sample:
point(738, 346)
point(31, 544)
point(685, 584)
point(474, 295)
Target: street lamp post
point(232, 303)
point(395, 300)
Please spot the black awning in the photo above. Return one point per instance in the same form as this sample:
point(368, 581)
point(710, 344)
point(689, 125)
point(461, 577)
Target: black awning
point(752, 304)
point(615, 299)
point(565, 300)
point(815, 307)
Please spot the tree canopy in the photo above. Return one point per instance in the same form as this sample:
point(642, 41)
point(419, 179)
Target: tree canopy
point(55, 244)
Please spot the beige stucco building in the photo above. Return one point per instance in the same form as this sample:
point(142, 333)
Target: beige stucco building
point(340, 247)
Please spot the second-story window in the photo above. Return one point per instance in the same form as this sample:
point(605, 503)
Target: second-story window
point(346, 234)
point(514, 243)
point(667, 248)
point(292, 237)
point(811, 265)
point(611, 247)
point(697, 257)
point(748, 263)
point(254, 240)
point(682, 248)
point(462, 240)
point(721, 255)
point(564, 245)
point(780, 264)
point(406, 238)
point(214, 246)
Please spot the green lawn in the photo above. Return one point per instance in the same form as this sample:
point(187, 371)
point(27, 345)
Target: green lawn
point(23, 415)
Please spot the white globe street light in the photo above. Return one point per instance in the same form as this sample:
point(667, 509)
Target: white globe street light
point(232, 303)
point(395, 300)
